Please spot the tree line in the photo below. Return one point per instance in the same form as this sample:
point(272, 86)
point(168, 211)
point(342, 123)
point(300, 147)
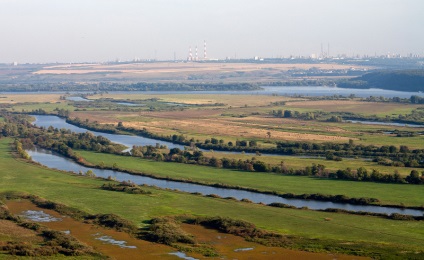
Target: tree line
point(65, 142)
point(401, 156)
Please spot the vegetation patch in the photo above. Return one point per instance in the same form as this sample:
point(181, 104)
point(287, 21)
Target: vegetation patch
point(113, 221)
point(167, 230)
point(124, 186)
point(251, 233)
point(55, 242)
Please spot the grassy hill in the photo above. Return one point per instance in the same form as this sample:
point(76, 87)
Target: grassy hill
point(401, 80)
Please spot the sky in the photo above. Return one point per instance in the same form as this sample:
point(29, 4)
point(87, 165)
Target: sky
point(40, 31)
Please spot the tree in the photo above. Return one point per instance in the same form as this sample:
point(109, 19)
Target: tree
point(90, 173)
point(260, 166)
point(268, 134)
point(159, 157)
point(280, 113)
point(413, 177)
point(174, 151)
point(252, 143)
point(288, 113)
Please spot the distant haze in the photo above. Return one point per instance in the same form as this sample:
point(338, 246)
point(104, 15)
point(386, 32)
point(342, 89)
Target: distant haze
point(106, 30)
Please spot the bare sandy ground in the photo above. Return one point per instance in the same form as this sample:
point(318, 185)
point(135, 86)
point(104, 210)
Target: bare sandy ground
point(168, 67)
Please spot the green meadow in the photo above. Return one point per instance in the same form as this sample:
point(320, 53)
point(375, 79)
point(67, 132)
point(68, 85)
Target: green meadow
point(84, 193)
point(410, 195)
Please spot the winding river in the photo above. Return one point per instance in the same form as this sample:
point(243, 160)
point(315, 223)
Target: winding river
point(57, 161)
point(127, 140)
point(53, 160)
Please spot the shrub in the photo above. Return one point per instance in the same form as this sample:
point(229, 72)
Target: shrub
point(166, 231)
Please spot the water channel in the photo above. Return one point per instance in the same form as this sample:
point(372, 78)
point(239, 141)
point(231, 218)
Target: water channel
point(57, 161)
point(82, 99)
point(127, 140)
point(383, 123)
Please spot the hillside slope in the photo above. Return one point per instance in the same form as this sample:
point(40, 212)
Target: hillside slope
point(402, 80)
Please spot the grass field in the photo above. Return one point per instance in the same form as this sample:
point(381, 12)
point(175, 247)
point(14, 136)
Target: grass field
point(22, 98)
point(48, 107)
point(84, 193)
point(388, 193)
point(300, 163)
point(201, 99)
point(365, 108)
point(237, 121)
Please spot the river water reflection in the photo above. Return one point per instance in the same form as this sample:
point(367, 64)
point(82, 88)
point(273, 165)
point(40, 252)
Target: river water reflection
point(52, 160)
point(383, 123)
point(127, 140)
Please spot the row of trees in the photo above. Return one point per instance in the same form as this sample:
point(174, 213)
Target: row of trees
point(316, 170)
point(399, 156)
point(64, 142)
point(114, 86)
point(416, 116)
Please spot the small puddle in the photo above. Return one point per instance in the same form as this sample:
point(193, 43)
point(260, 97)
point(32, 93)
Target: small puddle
point(229, 246)
point(38, 216)
point(116, 245)
point(243, 249)
point(183, 256)
point(111, 241)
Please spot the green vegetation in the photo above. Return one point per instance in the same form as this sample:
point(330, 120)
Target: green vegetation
point(56, 243)
point(82, 193)
point(387, 193)
point(401, 80)
point(155, 214)
point(125, 187)
point(140, 86)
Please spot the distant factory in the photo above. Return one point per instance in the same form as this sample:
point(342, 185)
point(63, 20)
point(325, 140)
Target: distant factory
point(196, 55)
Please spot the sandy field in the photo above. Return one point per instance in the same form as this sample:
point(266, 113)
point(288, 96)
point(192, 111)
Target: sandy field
point(182, 67)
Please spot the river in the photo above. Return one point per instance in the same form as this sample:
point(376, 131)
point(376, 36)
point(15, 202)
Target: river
point(82, 99)
point(383, 123)
point(53, 160)
point(127, 140)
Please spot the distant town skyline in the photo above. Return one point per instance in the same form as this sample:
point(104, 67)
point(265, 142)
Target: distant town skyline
point(108, 30)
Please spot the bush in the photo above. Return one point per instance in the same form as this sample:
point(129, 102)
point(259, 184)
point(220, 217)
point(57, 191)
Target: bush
point(166, 231)
point(115, 222)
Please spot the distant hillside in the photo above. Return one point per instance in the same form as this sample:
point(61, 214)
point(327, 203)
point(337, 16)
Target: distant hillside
point(402, 80)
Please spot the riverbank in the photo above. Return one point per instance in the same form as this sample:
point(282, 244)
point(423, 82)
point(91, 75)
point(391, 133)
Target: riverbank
point(84, 193)
point(191, 183)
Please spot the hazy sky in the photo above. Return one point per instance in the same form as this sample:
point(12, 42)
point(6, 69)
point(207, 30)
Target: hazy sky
point(105, 30)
